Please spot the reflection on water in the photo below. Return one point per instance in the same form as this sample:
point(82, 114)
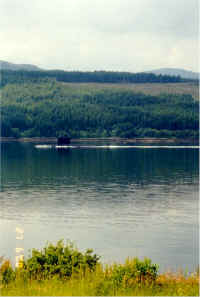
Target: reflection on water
point(132, 202)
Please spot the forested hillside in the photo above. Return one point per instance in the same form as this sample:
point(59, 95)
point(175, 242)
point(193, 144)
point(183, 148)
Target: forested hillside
point(48, 108)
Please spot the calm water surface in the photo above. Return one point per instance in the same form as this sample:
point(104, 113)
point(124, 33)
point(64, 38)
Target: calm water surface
point(120, 202)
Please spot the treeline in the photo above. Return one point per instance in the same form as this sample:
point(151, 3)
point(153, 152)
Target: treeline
point(9, 76)
point(50, 108)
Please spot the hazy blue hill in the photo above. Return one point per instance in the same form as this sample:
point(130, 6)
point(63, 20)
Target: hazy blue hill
point(176, 71)
point(4, 65)
point(186, 74)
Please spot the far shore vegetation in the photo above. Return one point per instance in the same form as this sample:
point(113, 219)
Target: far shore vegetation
point(62, 270)
point(48, 106)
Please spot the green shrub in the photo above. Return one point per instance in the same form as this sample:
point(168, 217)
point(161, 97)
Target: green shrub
point(59, 260)
point(134, 271)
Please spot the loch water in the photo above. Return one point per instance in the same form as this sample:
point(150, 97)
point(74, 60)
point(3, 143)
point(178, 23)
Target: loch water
point(122, 202)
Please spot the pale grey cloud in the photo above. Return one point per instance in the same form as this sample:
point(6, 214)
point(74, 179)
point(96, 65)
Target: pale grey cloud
point(129, 35)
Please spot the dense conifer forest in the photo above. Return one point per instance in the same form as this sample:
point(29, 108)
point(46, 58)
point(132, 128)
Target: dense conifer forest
point(34, 104)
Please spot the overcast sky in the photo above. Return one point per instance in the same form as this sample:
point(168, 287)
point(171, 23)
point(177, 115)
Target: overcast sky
point(124, 35)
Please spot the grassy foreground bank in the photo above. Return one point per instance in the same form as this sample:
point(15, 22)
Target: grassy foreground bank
point(98, 284)
point(60, 270)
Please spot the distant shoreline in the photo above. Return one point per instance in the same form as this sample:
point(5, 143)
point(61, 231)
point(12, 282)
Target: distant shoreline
point(106, 139)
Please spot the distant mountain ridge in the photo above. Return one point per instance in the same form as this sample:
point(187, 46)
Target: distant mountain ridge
point(186, 74)
point(175, 71)
point(4, 65)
